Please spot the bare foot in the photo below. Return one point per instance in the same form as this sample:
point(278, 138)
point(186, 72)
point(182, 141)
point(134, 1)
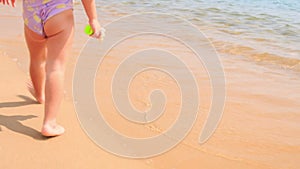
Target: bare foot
point(50, 130)
point(30, 88)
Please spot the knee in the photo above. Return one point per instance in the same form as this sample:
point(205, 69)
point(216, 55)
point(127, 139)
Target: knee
point(38, 64)
point(55, 66)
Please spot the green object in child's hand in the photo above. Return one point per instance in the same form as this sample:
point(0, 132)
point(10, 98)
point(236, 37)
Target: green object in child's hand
point(88, 30)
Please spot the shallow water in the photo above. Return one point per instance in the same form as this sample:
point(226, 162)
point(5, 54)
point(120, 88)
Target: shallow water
point(265, 31)
point(269, 28)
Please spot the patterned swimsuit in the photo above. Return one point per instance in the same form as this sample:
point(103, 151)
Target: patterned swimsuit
point(37, 12)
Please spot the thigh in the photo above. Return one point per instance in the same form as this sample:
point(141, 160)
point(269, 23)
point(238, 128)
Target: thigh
point(59, 30)
point(36, 44)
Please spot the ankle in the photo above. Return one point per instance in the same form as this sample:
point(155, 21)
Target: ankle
point(50, 123)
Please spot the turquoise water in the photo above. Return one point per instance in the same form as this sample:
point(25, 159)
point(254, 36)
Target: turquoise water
point(271, 28)
point(268, 29)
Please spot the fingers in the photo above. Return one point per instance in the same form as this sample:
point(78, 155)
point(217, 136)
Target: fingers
point(99, 34)
point(98, 31)
point(96, 34)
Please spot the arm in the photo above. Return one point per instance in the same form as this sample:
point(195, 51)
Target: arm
point(90, 10)
point(7, 2)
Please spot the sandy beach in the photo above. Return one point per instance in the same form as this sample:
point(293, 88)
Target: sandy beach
point(260, 127)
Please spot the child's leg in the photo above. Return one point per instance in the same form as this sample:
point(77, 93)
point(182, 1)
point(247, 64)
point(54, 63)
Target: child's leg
point(59, 30)
point(37, 50)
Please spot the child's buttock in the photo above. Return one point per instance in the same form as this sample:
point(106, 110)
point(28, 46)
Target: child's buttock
point(37, 12)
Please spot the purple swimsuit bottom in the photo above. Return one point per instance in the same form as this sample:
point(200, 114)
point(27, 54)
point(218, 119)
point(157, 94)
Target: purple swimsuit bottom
point(37, 12)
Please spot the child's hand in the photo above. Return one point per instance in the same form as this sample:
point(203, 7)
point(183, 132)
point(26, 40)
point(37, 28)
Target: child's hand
point(7, 2)
point(96, 27)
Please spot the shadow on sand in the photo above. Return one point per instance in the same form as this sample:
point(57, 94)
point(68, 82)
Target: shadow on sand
point(26, 101)
point(13, 123)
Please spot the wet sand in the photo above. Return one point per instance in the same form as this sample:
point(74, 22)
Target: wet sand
point(259, 129)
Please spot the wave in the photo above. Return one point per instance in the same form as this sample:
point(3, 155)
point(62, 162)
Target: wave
point(257, 56)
